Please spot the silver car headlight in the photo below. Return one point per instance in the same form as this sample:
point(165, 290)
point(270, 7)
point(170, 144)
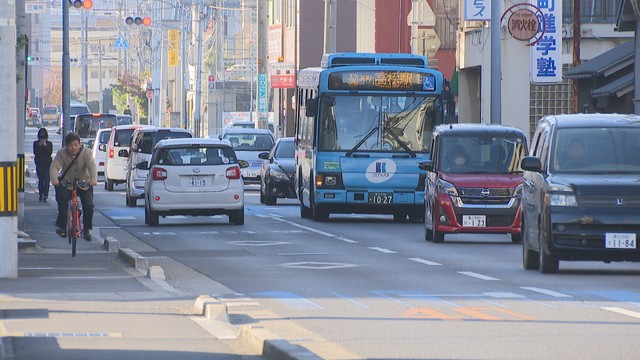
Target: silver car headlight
point(445, 187)
point(561, 195)
point(562, 200)
point(278, 174)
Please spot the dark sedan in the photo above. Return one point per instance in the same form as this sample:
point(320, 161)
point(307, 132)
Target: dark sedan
point(278, 173)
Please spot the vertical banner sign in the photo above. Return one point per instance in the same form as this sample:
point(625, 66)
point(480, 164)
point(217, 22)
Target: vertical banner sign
point(174, 46)
point(8, 189)
point(262, 97)
point(546, 54)
point(477, 10)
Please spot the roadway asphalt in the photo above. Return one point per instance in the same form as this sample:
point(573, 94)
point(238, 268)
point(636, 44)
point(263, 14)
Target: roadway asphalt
point(108, 302)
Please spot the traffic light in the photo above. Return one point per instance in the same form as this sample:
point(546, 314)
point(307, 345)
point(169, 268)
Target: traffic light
point(86, 4)
point(32, 59)
point(212, 78)
point(130, 20)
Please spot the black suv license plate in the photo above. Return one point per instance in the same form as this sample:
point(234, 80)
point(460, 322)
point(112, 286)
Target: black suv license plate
point(380, 197)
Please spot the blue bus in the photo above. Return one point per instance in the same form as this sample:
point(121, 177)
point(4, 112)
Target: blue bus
point(363, 124)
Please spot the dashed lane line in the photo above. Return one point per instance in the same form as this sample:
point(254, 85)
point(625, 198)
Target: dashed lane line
point(546, 292)
point(477, 276)
point(622, 311)
point(426, 262)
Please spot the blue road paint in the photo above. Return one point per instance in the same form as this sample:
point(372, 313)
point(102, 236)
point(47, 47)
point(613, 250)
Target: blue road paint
point(622, 296)
point(292, 300)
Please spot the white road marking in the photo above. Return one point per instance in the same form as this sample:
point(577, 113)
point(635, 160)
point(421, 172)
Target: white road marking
point(346, 240)
point(301, 254)
point(503, 295)
point(383, 250)
point(546, 292)
point(426, 262)
point(622, 311)
point(123, 217)
point(476, 275)
point(353, 301)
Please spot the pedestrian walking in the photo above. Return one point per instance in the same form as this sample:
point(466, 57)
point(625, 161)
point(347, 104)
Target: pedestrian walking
point(42, 150)
point(127, 111)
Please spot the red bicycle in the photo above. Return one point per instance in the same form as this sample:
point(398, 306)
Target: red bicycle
point(74, 222)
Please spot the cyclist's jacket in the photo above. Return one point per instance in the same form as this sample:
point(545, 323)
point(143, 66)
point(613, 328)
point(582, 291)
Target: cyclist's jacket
point(84, 168)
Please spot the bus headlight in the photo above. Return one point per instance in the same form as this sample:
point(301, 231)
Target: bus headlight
point(328, 181)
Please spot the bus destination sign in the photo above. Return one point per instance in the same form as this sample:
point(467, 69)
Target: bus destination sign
point(382, 80)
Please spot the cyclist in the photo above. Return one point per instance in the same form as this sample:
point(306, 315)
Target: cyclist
point(82, 168)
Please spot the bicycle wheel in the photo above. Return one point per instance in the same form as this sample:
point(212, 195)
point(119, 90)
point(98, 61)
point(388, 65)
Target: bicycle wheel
point(73, 227)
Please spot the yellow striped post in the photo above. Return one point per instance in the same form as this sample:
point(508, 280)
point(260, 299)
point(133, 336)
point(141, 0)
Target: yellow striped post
point(8, 188)
point(21, 172)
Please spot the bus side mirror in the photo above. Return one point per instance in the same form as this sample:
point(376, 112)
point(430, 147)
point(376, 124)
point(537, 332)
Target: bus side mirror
point(311, 108)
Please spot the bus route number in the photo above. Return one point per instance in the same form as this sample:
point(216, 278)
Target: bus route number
point(380, 198)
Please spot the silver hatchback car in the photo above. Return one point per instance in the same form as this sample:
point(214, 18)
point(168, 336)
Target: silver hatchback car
point(194, 177)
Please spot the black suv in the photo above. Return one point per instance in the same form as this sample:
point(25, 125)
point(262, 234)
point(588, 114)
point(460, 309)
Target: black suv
point(581, 195)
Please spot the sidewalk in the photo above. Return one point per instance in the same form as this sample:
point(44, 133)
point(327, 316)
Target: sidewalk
point(98, 306)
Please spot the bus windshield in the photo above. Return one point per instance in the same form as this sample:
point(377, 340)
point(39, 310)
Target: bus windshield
point(378, 123)
point(87, 125)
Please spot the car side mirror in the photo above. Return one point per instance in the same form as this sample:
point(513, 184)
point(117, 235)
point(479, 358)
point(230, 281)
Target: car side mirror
point(102, 147)
point(531, 163)
point(426, 165)
point(264, 155)
point(123, 153)
point(243, 164)
point(142, 165)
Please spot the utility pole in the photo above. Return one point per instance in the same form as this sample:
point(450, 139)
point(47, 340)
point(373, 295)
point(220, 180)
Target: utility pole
point(576, 52)
point(263, 82)
point(84, 56)
point(9, 146)
point(21, 103)
point(100, 93)
point(66, 73)
point(414, 27)
point(496, 64)
point(330, 21)
point(198, 116)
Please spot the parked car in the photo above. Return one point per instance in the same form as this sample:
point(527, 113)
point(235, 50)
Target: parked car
point(581, 191)
point(474, 180)
point(33, 120)
point(100, 156)
point(143, 140)
point(277, 173)
point(248, 143)
point(117, 155)
point(51, 115)
point(193, 177)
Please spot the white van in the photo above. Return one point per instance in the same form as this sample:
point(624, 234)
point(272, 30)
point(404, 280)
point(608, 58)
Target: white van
point(118, 155)
point(143, 141)
point(100, 156)
point(248, 143)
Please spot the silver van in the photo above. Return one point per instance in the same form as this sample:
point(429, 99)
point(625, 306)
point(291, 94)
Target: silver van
point(143, 141)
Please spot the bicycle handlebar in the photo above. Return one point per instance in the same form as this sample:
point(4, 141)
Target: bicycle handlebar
point(83, 184)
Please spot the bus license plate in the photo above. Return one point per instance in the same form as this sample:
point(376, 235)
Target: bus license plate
point(380, 198)
point(196, 182)
point(619, 241)
point(474, 220)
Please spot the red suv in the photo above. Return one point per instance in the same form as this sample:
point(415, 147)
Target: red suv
point(474, 180)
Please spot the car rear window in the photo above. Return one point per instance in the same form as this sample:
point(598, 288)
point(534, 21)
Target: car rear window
point(250, 142)
point(123, 137)
point(124, 120)
point(50, 110)
point(150, 139)
point(104, 137)
point(196, 155)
